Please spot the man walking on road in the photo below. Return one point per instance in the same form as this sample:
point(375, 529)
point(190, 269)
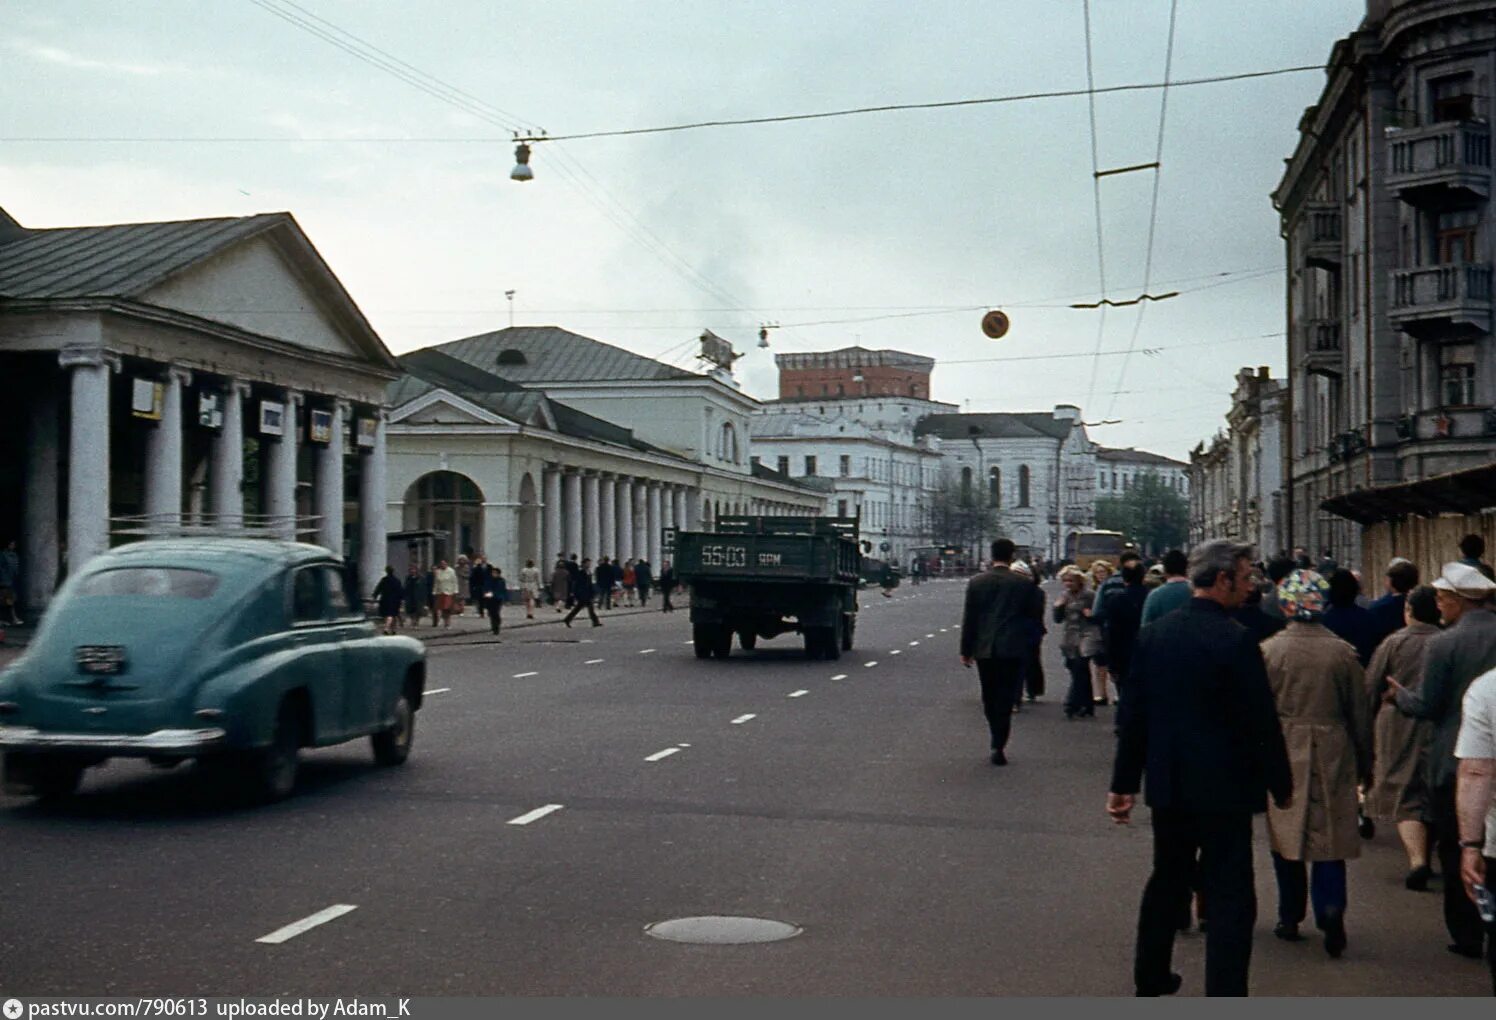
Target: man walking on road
point(1001, 608)
point(582, 593)
point(1200, 720)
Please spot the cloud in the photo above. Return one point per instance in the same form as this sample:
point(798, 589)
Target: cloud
point(56, 55)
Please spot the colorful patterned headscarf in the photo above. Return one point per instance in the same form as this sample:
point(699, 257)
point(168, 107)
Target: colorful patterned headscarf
point(1303, 595)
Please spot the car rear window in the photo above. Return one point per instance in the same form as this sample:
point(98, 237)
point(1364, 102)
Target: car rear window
point(168, 582)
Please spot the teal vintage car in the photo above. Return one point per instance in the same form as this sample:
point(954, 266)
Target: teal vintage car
point(235, 652)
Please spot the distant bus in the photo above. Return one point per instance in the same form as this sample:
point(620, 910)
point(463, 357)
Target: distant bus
point(1085, 547)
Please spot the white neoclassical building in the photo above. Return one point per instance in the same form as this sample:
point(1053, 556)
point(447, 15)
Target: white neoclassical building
point(531, 443)
point(200, 371)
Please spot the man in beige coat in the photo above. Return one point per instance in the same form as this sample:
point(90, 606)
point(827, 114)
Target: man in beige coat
point(1320, 692)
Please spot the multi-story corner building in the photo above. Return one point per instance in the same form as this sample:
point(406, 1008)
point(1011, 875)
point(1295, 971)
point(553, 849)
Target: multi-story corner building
point(1117, 470)
point(1386, 215)
point(845, 420)
point(886, 477)
point(1037, 470)
point(1236, 481)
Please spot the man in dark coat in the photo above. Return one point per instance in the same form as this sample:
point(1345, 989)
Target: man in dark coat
point(582, 592)
point(603, 576)
point(1200, 720)
point(572, 568)
point(643, 578)
point(478, 584)
point(996, 630)
point(667, 586)
point(1387, 611)
point(1123, 610)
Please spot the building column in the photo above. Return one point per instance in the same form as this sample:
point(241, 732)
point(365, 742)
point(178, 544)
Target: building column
point(88, 453)
point(550, 521)
point(655, 521)
point(571, 485)
point(693, 509)
point(40, 534)
point(227, 470)
point(278, 472)
point(608, 516)
point(590, 517)
point(373, 533)
point(626, 518)
point(330, 484)
point(163, 456)
point(641, 520)
point(681, 514)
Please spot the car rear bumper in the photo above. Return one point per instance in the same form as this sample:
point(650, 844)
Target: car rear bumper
point(160, 742)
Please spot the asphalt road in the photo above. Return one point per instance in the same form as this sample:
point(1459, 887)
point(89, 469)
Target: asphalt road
point(853, 799)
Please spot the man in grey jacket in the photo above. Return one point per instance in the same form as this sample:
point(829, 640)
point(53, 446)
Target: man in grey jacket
point(1453, 659)
point(1001, 610)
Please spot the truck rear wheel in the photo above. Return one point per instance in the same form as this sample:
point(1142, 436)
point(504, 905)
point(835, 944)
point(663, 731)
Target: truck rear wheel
point(849, 627)
point(833, 641)
point(747, 639)
point(722, 642)
point(702, 637)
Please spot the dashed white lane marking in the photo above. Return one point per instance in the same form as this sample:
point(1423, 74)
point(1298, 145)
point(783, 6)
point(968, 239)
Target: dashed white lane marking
point(521, 676)
point(438, 690)
point(740, 720)
point(688, 642)
point(873, 663)
point(662, 754)
point(914, 644)
point(536, 815)
point(840, 676)
point(797, 694)
point(929, 635)
point(895, 651)
point(942, 630)
point(645, 651)
point(592, 662)
point(306, 924)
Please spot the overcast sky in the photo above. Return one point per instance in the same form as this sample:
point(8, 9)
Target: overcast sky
point(643, 241)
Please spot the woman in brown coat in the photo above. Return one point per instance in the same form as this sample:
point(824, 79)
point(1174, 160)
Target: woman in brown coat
point(1398, 789)
point(1320, 691)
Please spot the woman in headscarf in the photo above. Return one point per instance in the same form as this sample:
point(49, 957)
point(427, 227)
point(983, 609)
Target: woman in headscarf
point(1320, 691)
point(1399, 791)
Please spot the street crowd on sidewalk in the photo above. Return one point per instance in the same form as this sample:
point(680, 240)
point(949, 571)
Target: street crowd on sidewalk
point(442, 590)
point(1241, 688)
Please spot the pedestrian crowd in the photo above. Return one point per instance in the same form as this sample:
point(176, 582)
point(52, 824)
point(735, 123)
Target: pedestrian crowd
point(443, 590)
point(1277, 688)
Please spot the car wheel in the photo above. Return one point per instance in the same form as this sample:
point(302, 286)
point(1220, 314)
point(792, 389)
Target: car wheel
point(701, 639)
point(392, 746)
point(271, 771)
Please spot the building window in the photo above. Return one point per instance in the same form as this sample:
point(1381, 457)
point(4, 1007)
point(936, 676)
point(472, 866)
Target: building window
point(841, 391)
point(1023, 485)
point(841, 508)
point(1454, 237)
point(994, 487)
point(846, 465)
point(810, 466)
point(1457, 374)
point(1451, 98)
point(799, 391)
point(727, 444)
point(784, 465)
point(966, 485)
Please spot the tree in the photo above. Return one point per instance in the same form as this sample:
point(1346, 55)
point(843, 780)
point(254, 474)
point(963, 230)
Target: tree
point(1151, 515)
point(960, 515)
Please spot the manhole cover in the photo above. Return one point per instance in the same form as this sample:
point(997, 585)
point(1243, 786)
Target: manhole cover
point(722, 931)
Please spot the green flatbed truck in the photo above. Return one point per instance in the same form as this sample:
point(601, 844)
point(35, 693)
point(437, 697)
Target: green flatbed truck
point(759, 577)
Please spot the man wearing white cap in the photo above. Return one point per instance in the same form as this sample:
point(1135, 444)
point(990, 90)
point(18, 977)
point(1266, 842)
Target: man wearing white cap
point(1465, 650)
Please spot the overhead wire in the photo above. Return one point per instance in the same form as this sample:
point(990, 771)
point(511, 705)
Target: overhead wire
point(1163, 107)
point(1096, 198)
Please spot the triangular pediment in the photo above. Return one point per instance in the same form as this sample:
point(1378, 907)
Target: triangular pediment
point(255, 286)
point(439, 407)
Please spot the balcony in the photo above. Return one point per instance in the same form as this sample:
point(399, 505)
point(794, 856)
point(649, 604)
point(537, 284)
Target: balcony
point(1319, 234)
point(1432, 300)
point(1440, 165)
point(1321, 347)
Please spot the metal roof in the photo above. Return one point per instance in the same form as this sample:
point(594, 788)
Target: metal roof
point(994, 425)
point(115, 261)
point(1111, 453)
point(1470, 491)
point(553, 354)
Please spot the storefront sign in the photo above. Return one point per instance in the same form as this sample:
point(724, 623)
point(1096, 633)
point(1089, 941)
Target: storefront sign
point(366, 431)
point(210, 410)
point(146, 399)
point(319, 426)
point(272, 418)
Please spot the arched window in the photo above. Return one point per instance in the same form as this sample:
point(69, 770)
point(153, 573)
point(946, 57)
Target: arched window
point(966, 485)
point(727, 443)
point(994, 487)
point(1023, 485)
